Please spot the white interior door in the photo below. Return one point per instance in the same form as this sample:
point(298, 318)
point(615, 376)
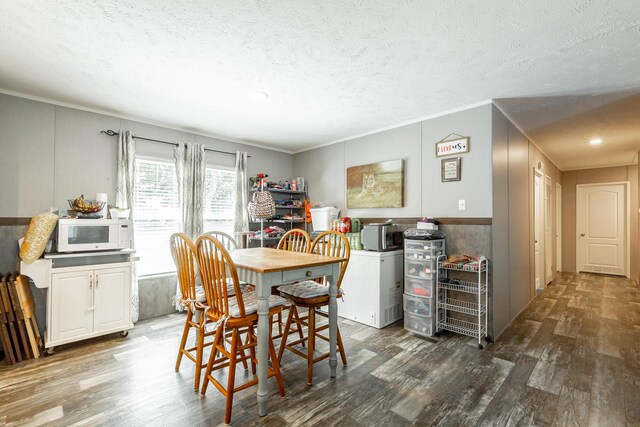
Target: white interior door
point(601, 226)
point(548, 230)
point(558, 227)
point(537, 225)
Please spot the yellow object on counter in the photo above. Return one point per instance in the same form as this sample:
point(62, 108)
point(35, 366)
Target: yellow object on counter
point(38, 234)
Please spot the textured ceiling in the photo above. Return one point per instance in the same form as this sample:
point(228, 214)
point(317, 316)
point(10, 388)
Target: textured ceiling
point(562, 127)
point(332, 68)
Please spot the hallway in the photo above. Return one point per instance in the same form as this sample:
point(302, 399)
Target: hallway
point(577, 355)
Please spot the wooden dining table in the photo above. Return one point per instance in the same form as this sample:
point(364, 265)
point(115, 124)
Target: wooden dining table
point(265, 268)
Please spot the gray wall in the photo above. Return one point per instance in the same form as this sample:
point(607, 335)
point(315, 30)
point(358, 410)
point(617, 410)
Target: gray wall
point(425, 194)
point(58, 153)
point(514, 158)
point(440, 199)
point(52, 153)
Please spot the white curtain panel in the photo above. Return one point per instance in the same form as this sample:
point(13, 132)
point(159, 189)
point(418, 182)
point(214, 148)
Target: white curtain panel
point(125, 185)
point(241, 220)
point(190, 171)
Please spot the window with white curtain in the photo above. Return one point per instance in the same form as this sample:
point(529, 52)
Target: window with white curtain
point(220, 189)
point(156, 214)
point(157, 211)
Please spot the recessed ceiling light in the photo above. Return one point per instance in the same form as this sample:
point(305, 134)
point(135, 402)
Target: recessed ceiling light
point(595, 141)
point(258, 96)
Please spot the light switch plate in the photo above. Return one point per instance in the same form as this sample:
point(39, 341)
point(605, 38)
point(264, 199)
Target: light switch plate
point(462, 205)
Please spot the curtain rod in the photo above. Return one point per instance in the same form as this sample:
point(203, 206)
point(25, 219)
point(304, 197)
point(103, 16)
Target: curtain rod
point(175, 144)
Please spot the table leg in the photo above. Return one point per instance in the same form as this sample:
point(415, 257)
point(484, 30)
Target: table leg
point(333, 323)
point(263, 346)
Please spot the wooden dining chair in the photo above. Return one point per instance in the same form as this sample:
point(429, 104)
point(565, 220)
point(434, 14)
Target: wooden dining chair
point(227, 241)
point(295, 240)
point(229, 244)
point(313, 295)
point(193, 299)
point(234, 314)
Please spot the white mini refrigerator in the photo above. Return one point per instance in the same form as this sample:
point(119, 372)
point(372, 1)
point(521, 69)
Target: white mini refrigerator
point(373, 286)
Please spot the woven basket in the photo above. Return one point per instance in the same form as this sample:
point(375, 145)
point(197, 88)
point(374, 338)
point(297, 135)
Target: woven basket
point(262, 205)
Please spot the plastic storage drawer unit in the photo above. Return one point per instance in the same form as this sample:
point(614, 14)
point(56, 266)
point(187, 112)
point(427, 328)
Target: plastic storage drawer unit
point(417, 305)
point(423, 245)
point(423, 254)
point(421, 325)
point(420, 269)
point(419, 287)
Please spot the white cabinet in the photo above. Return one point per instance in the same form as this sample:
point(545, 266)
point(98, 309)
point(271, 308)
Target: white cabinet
point(373, 286)
point(71, 301)
point(111, 299)
point(88, 301)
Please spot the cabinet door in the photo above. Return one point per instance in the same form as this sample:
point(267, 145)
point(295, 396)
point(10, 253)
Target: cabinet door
point(111, 298)
point(71, 305)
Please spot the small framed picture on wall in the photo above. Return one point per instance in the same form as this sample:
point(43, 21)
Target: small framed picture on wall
point(451, 169)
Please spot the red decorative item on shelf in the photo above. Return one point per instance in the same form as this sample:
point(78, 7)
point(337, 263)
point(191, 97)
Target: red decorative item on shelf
point(342, 225)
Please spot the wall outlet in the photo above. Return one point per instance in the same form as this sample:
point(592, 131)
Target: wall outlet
point(372, 317)
point(462, 205)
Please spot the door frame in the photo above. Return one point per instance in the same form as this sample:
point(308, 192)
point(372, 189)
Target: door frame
point(627, 221)
point(538, 221)
point(548, 243)
point(558, 226)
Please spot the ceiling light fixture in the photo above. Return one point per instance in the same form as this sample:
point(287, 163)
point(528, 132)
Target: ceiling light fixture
point(595, 141)
point(257, 96)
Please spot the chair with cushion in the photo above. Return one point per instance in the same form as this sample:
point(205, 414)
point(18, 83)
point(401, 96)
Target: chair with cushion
point(229, 244)
point(192, 298)
point(233, 315)
point(295, 240)
point(313, 295)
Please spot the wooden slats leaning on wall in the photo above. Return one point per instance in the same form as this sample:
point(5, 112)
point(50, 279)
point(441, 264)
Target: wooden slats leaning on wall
point(19, 334)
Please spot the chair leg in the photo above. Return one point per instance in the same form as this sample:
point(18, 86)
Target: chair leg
point(285, 333)
point(183, 341)
point(343, 355)
point(252, 350)
point(199, 351)
point(232, 376)
point(299, 328)
point(242, 353)
point(311, 341)
point(276, 366)
point(212, 358)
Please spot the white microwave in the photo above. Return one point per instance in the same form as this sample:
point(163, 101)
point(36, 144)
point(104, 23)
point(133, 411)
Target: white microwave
point(79, 235)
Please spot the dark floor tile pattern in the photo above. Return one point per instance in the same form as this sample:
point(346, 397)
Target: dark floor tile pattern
point(571, 358)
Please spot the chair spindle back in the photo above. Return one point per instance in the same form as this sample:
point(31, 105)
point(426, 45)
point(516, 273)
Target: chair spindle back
point(295, 240)
point(333, 243)
point(184, 256)
point(227, 241)
point(216, 271)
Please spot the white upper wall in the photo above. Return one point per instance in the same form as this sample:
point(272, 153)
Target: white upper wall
point(425, 194)
point(54, 153)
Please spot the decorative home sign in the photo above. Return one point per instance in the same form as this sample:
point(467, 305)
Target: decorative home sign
point(451, 169)
point(453, 146)
point(377, 185)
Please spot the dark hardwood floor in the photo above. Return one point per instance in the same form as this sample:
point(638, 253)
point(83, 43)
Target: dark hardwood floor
point(572, 358)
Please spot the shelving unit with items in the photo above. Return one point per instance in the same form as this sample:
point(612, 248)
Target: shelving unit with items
point(477, 310)
point(420, 265)
point(289, 214)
